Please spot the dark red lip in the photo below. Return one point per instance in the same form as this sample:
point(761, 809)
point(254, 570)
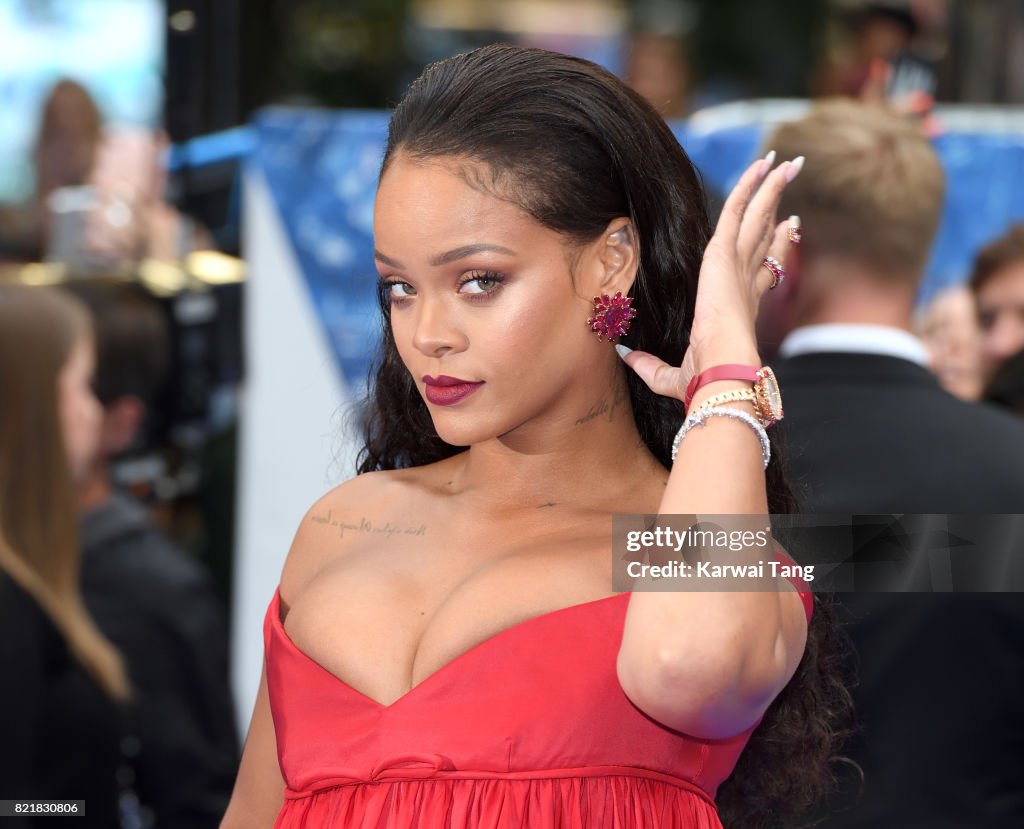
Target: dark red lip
point(445, 380)
point(444, 390)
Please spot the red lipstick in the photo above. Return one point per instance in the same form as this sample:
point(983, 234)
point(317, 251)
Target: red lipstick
point(444, 390)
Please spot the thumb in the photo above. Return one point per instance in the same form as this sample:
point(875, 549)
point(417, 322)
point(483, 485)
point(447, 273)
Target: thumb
point(660, 377)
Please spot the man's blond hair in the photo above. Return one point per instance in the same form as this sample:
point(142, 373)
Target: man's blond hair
point(871, 189)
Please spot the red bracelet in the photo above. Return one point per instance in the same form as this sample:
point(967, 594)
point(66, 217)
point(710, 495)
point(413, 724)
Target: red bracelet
point(727, 371)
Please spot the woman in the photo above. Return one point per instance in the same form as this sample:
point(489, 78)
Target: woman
point(443, 649)
point(62, 683)
point(65, 152)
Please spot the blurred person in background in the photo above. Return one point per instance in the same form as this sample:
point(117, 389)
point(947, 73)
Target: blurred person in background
point(99, 200)
point(658, 67)
point(68, 141)
point(64, 689)
point(869, 430)
point(883, 65)
point(879, 34)
point(1006, 388)
point(997, 281)
point(152, 599)
point(66, 145)
point(948, 326)
point(132, 220)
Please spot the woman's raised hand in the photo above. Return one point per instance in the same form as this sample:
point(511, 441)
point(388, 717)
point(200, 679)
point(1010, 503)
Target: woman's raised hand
point(733, 278)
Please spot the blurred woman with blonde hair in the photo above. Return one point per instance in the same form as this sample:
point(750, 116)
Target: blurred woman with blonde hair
point(63, 686)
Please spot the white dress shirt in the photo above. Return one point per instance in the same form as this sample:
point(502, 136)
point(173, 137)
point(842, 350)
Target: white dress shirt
point(857, 338)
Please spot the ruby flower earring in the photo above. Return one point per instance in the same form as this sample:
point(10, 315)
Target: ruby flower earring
point(612, 316)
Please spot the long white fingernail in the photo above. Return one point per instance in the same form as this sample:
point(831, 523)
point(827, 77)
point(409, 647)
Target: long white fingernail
point(795, 166)
point(767, 162)
point(793, 231)
point(622, 350)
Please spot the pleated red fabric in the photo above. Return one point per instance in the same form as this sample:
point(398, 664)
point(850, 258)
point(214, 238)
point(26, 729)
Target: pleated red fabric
point(530, 728)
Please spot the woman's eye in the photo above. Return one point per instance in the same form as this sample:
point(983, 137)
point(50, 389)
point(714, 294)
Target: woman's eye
point(482, 284)
point(398, 290)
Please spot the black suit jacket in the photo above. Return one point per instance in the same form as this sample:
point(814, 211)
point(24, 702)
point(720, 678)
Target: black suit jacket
point(940, 689)
point(158, 606)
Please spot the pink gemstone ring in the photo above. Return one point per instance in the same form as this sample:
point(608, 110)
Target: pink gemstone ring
point(777, 271)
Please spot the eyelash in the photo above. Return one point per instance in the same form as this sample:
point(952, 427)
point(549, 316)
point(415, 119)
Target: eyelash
point(384, 287)
point(484, 276)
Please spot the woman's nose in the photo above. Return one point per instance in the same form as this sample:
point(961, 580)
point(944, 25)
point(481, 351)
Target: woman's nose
point(436, 331)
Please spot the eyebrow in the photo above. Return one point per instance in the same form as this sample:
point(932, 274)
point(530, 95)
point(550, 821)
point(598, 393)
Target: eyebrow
point(468, 250)
point(450, 256)
point(387, 260)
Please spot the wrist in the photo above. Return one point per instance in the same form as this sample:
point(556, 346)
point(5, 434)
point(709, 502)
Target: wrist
point(727, 353)
point(736, 383)
point(717, 387)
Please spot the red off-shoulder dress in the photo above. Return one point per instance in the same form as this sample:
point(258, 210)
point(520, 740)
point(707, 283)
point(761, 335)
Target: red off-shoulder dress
point(529, 728)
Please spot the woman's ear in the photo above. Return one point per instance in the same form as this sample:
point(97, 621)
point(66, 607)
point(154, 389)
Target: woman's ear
point(619, 255)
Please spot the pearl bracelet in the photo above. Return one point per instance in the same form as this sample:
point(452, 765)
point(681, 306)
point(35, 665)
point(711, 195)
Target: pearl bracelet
point(697, 418)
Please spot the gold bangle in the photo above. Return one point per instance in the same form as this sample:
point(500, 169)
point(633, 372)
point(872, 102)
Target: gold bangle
point(729, 397)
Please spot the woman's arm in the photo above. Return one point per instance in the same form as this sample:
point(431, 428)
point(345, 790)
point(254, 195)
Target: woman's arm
point(259, 789)
point(258, 794)
point(710, 663)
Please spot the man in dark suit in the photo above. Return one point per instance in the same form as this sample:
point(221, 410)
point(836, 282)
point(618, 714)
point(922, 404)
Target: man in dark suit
point(156, 602)
point(868, 430)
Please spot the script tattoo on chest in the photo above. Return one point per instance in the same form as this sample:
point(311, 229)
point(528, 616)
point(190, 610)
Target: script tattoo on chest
point(388, 529)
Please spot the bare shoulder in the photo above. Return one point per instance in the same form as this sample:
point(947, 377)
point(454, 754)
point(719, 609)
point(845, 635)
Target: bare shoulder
point(340, 519)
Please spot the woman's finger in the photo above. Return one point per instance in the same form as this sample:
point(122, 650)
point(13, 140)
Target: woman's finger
point(778, 247)
point(735, 206)
point(660, 377)
point(760, 216)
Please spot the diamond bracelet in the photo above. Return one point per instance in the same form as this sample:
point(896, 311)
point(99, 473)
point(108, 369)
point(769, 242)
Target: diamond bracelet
point(699, 416)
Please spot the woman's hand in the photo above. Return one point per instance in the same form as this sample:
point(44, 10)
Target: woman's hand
point(720, 683)
point(732, 280)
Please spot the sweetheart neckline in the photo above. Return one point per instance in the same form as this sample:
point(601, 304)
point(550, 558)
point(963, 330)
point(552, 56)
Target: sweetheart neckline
point(278, 625)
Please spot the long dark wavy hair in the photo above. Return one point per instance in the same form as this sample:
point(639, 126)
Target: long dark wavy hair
point(576, 148)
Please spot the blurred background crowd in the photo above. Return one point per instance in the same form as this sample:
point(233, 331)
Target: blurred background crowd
point(125, 129)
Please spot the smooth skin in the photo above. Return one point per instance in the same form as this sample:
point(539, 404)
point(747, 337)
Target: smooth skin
point(1001, 315)
point(395, 574)
point(79, 411)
